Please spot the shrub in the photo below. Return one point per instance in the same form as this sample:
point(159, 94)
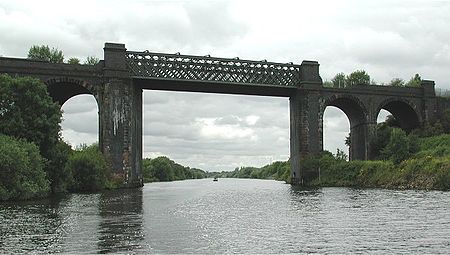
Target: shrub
point(89, 169)
point(21, 170)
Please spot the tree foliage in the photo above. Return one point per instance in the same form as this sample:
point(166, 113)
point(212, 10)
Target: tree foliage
point(91, 60)
point(415, 81)
point(397, 82)
point(278, 170)
point(164, 169)
point(44, 53)
point(58, 175)
point(358, 77)
point(89, 169)
point(397, 148)
point(21, 170)
point(27, 111)
point(339, 80)
point(73, 61)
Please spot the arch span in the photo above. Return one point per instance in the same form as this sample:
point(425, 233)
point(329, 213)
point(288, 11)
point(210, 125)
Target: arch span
point(62, 89)
point(403, 111)
point(357, 114)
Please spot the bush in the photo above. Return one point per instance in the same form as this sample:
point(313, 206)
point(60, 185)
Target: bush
point(21, 170)
point(58, 174)
point(89, 170)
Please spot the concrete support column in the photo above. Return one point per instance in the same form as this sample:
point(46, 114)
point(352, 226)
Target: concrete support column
point(120, 118)
point(304, 122)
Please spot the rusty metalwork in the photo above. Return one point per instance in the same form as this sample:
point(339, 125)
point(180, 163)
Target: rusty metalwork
point(210, 69)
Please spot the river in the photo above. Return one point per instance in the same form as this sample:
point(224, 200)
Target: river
point(230, 216)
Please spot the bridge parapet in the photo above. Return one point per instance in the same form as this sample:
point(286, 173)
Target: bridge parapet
point(205, 68)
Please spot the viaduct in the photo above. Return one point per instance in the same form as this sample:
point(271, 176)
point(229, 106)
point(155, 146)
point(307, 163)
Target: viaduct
point(117, 83)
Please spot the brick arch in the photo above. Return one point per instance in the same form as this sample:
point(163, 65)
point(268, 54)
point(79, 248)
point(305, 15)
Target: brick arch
point(62, 89)
point(405, 111)
point(353, 107)
point(357, 114)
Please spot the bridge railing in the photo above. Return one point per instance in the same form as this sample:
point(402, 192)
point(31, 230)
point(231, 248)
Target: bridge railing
point(205, 68)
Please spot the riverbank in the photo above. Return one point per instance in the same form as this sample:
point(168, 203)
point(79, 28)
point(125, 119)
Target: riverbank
point(427, 169)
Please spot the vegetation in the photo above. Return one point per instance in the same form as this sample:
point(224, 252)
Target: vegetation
point(22, 174)
point(90, 60)
point(164, 169)
point(28, 112)
point(356, 78)
point(361, 77)
point(429, 168)
point(44, 53)
point(73, 61)
point(276, 171)
point(34, 159)
point(89, 169)
point(54, 55)
point(419, 160)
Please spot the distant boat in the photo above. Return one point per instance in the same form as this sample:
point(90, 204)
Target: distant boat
point(215, 179)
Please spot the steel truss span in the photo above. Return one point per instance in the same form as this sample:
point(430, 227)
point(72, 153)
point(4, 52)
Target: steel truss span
point(205, 68)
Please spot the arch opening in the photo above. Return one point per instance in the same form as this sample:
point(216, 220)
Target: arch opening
point(336, 128)
point(80, 124)
point(403, 112)
point(357, 117)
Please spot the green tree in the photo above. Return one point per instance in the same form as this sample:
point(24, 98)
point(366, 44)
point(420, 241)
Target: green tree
point(397, 82)
point(358, 77)
point(339, 80)
point(44, 53)
point(21, 170)
point(163, 169)
point(91, 60)
point(340, 155)
point(380, 140)
point(58, 174)
point(397, 149)
point(414, 81)
point(73, 61)
point(89, 169)
point(27, 111)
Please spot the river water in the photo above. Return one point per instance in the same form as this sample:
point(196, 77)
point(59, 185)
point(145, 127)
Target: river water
point(230, 216)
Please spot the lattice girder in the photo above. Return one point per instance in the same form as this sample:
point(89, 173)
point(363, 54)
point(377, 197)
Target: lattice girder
point(204, 68)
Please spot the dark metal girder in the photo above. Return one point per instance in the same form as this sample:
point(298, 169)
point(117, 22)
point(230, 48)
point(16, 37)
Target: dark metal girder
point(204, 68)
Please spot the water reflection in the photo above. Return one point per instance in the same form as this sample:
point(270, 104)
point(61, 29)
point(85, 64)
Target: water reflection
point(121, 222)
point(305, 199)
point(36, 223)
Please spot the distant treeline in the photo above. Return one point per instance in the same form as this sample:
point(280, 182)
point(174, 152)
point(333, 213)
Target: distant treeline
point(164, 169)
point(278, 170)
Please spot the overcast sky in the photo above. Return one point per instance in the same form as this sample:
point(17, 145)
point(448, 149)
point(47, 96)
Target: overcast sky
point(388, 39)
